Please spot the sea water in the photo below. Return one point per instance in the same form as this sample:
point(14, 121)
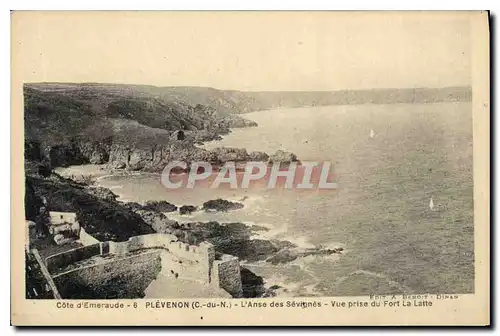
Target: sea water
point(389, 161)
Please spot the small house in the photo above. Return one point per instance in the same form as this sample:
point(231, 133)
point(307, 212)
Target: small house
point(63, 226)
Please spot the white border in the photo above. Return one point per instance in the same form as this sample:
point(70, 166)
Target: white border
point(172, 5)
point(249, 5)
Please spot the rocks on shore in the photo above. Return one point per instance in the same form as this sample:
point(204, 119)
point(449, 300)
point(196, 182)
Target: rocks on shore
point(187, 209)
point(282, 156)
point(235, 121)
point(144, 157)
point(117, 165)
point(102, 193)
point(258, 156)
point(158, 221)
point(133, 206)
point(253, 284)
point(159, 206)
point(225, 154)
point(221, 205)
point(286, 255)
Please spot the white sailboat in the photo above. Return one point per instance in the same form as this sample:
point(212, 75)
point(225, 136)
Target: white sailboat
point(372, 134)
point(431, 204)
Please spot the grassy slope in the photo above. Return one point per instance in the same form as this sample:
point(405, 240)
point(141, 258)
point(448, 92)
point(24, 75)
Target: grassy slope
point(57, 115)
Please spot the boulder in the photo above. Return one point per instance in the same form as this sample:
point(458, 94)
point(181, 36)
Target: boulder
point(253, 284)
point(158, 221)
point(64, 155)
point(119, 153)
point(284, 256)
point(117, 165)
point(187, 209)
point(221, 205)
point(258, 156)
point(225, 154)
point(95, 152)
point(102, 193)
point(133, 206)
point(159, 206)
point(139, 159)
point(282, 156)
point(274, 290)
point(235, 121)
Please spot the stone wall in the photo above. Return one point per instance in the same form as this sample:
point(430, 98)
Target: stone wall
point(64, 259)
point(227, 273)
point(124, 278)
point(177, 259)
point(155, 240)
point(181, 259)
point(87, 239)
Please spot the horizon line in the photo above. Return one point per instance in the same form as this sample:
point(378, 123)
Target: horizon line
point(469, 86)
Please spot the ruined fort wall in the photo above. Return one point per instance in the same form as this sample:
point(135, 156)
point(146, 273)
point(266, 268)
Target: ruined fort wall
point(178, 259)
point(124, 277)
point(63, 259)
point(204, 253)
point(227, 273)
point(87, 239)
point(178, 267)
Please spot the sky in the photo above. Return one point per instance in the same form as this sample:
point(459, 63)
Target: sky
point(258, 51)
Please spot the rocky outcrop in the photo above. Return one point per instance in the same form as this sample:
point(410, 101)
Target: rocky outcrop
point(139, 159)
point(258, 156)
point(221, 205)
point(117, 165)
point(102, 193)
point(133, 206)
point(250, 249)
point(286, 255)
point(202, 136)
point(64, 155)
point(95, 152)
point(187, 209)
point(225, 154)
point(159, 206)
point(152, 157)
point(158, 221)
point(235, 121)
point(119, 153)
point(282, 156)
point(253, 284)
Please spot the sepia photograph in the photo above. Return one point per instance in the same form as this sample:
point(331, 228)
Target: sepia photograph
point(267, 159)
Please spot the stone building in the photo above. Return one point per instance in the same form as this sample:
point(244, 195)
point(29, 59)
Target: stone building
point(63, 227)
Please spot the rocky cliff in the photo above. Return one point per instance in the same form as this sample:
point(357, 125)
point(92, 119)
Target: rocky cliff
point(125, 127)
